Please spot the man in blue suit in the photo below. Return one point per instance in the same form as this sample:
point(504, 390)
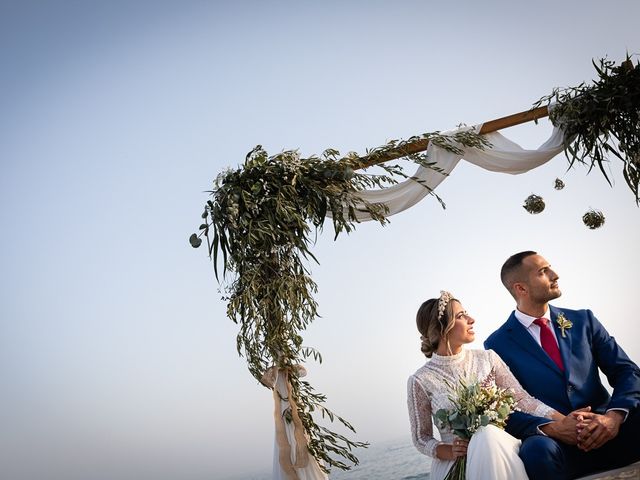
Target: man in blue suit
point(556, 354)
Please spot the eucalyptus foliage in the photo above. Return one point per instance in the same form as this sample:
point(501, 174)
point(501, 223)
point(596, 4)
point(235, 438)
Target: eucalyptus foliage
point(260, 224)
point(603, 119)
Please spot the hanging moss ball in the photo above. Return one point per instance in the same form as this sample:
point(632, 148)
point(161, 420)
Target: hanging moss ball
point(534, 204)
point(559, 184)
point(593, 219)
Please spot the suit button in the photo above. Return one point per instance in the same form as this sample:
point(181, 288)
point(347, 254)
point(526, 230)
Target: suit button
point(570, 388)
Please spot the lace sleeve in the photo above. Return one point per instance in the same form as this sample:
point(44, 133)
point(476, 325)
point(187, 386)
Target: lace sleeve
point(524, 402)
point(419, 404)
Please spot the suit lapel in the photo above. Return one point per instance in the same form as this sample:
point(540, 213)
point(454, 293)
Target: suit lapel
point(564, 343)
point(523, 338)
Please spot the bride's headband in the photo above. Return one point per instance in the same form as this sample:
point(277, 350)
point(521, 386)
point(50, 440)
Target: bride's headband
point(445, 297)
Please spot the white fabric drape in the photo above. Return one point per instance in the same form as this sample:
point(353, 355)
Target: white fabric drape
point(502, 156)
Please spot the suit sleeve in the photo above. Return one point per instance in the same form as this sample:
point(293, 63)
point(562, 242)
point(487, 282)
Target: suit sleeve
point(522, 425)
point(622, 373)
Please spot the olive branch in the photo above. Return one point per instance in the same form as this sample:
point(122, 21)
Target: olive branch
point(260, 224)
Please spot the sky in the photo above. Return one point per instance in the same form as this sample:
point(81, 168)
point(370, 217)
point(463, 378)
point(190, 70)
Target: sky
point(117, 360)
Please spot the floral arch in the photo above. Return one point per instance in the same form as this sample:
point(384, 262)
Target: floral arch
point(261, 220)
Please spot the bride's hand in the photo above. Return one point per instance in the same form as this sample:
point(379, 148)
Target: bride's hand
point(459, 447)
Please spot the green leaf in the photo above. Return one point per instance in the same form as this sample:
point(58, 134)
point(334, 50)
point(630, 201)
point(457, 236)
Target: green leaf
point(195, 241)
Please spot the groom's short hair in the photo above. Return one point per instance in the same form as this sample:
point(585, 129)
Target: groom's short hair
point(511, 270)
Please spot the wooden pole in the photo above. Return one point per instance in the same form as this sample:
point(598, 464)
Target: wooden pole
point(421, 144)
point(513, 120)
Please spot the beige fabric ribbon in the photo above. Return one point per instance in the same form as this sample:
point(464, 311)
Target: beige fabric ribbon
point(270, 380)
point(269, 377)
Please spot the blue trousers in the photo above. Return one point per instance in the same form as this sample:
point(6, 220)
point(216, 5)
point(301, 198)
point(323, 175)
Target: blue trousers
point(545, 458)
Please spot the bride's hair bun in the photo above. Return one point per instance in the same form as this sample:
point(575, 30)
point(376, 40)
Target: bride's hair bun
point(427, 347)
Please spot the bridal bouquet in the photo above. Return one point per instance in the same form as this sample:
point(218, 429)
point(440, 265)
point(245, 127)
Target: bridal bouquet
point(475, 405)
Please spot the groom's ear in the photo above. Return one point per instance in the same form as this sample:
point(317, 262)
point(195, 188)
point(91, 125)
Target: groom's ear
point(520, 289)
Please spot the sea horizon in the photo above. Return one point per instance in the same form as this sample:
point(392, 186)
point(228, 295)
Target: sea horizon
point(395, 459)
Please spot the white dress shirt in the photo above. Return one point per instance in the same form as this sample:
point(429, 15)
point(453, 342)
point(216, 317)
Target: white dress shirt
point(532, 328)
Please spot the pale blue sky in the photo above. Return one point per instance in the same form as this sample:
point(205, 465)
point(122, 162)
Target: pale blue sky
point(116, 358)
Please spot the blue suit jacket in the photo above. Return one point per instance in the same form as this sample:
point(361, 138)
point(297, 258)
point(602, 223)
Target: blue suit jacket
point(586, 348)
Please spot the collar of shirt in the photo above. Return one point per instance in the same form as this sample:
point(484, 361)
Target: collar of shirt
point(532, 328)
point(527, 320)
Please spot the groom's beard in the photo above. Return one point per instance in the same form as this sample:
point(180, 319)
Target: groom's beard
point(546, 295)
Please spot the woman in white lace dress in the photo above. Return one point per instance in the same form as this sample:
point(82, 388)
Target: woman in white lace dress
point(492, 453)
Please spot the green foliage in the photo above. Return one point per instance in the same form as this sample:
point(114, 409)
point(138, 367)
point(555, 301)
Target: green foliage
point(593, 219)
point(558, 184)
point(260, 224)
point(534, 204)
point(475, 405)
point(323, 443)
point(603, 119)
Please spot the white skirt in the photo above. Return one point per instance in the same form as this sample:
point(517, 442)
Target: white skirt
point(492, 453)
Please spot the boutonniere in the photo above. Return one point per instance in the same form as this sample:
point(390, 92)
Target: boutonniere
point(563, 323)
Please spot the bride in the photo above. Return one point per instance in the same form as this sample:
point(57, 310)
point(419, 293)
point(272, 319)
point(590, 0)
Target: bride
point(491, 453)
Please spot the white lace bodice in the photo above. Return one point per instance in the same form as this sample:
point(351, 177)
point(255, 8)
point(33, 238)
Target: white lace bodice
point(428, 391)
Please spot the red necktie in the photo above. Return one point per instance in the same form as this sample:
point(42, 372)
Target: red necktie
point(549, 342)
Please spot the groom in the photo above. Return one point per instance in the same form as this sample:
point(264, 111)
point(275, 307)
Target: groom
point(556, 353)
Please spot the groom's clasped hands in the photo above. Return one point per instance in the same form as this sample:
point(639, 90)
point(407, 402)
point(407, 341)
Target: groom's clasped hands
point(594, 430)
point(585, 429)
